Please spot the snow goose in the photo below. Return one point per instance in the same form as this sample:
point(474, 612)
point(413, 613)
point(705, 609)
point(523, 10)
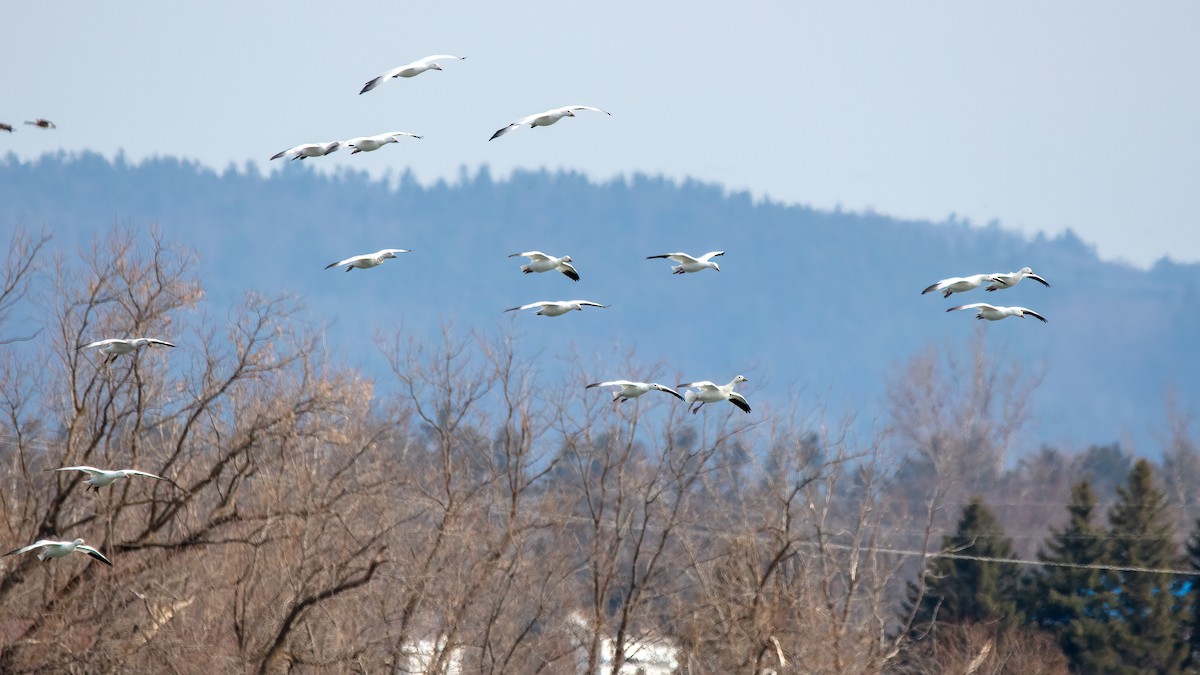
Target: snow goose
point(369, 143)
point(368, 260)
point(557, 308)
point(994, 313)
point(6, 127)
point(545, 119)
point(114, 347)
point(41, 123)
point(409, 70)
point(98, 478)
point(627, 390)
point(308, 150)
point(540, 262)
point(707, 392)
point(688, 263)
point(959, 284)
point(1013, 278)
point(58, 549)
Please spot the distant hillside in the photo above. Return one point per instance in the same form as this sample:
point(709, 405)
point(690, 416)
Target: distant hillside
point(824, 303)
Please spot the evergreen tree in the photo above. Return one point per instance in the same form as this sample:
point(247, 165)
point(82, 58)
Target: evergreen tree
point(1069, 599)
point(1148, 617)
point(1193, 551)
point(962, 591)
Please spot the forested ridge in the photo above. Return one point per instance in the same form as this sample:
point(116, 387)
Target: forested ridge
point(821, 303)
point(467, 506)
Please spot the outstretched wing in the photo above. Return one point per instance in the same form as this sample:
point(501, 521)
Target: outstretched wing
point(531, 305)
point(568, 270)
point(37, 544)
point(429, 59)
point(584, 107)
point(740, 401)
point(281, 153)
point(505, 130)
point(710, 254)
point(135, 472)
point(589, 303)
point(371, 84)
point(973, 305)
point(156, 341)
point(347, 261)
point(670, 391)
point(1034, 314)
point(94, 554)
point(101, 343)
point(703, 384)
point(532, 255)
point(1039, 280)
point(89, 470)
point(940, 285)
point(677, 257)
point(611, 383)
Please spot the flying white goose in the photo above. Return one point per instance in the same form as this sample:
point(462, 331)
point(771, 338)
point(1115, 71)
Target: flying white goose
point(58, 549)
point(368, 260)
point(98, 478)
point(545, 119)
point(707, 392)
point(1013, 278)
point(409, 70)
point(114, 347)
point(994, 313)
point(369, 143)
point(627, 390)
point(308, 150)
point(959, 284)
point(558, 308)
point(688, 263)
point(41, 123)
point(540, 262)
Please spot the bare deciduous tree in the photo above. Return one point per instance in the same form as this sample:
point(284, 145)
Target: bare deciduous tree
point(464, 513)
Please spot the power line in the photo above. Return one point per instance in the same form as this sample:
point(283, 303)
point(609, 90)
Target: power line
point(1013, 561)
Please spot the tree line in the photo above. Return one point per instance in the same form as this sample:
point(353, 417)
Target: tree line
point(1115, 599)
point(462, 512)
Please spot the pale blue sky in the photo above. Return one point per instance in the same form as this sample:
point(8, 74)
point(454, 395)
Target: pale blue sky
point(1041, 115)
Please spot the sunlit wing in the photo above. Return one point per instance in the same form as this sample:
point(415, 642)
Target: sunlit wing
point(90, 470)
point(37, 544)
